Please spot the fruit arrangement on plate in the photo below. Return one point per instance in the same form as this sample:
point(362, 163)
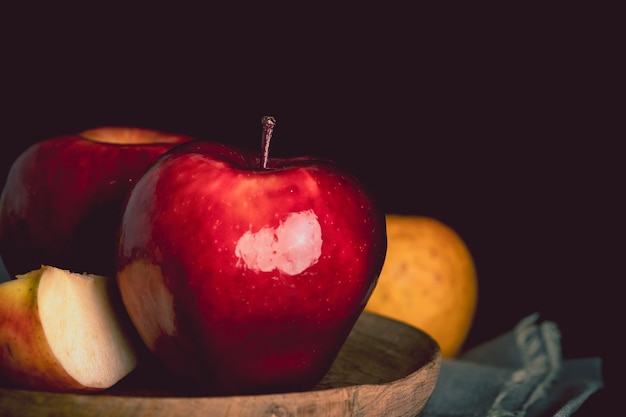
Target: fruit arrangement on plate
point(235, 271)
point(240, 272)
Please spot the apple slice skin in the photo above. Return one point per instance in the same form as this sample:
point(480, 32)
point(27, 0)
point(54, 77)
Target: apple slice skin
point(24, 352)
point(63, 198)
point(240, 324)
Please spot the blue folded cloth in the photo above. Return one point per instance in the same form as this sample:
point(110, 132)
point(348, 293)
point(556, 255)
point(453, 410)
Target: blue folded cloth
point(520, 373)
point(4, 275)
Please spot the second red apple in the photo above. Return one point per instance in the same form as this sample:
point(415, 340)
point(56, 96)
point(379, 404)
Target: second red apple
point(62, 201)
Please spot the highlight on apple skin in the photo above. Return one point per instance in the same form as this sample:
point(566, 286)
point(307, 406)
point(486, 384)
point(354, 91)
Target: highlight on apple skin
point(245, 274)
point(64, 332)
point(62, 201)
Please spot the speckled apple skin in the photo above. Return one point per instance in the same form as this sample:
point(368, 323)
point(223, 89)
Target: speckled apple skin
point(233, 321)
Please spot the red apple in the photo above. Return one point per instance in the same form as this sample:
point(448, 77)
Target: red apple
point(246, 274)
point(62, 202)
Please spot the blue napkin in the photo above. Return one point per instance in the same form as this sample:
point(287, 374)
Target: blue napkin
point(520, 374)
point(4, 275)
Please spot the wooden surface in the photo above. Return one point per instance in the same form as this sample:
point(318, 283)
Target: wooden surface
point(385, 369)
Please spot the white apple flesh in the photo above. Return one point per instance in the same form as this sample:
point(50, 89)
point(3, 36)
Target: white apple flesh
point(63, 331)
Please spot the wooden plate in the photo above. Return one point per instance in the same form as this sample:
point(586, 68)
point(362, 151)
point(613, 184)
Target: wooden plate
point(384, 368)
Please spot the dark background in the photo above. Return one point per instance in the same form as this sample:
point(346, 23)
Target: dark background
point(499, 122)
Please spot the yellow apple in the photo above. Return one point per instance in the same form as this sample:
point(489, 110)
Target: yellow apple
point(63, 331)
point(428, 280)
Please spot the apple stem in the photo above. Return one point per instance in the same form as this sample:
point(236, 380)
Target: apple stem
point(268, 123)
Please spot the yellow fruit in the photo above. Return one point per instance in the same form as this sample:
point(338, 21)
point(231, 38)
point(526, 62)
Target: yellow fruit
point(428, 280)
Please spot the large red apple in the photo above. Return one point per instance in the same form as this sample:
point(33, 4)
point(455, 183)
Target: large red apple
point(246, 274)
point(62, 201)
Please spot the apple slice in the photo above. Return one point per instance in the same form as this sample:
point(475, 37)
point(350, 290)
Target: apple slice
point(64, 331)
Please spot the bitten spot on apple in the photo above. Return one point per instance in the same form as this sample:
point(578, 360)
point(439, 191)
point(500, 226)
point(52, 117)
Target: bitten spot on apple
point(291, 248)
point(153, 296)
